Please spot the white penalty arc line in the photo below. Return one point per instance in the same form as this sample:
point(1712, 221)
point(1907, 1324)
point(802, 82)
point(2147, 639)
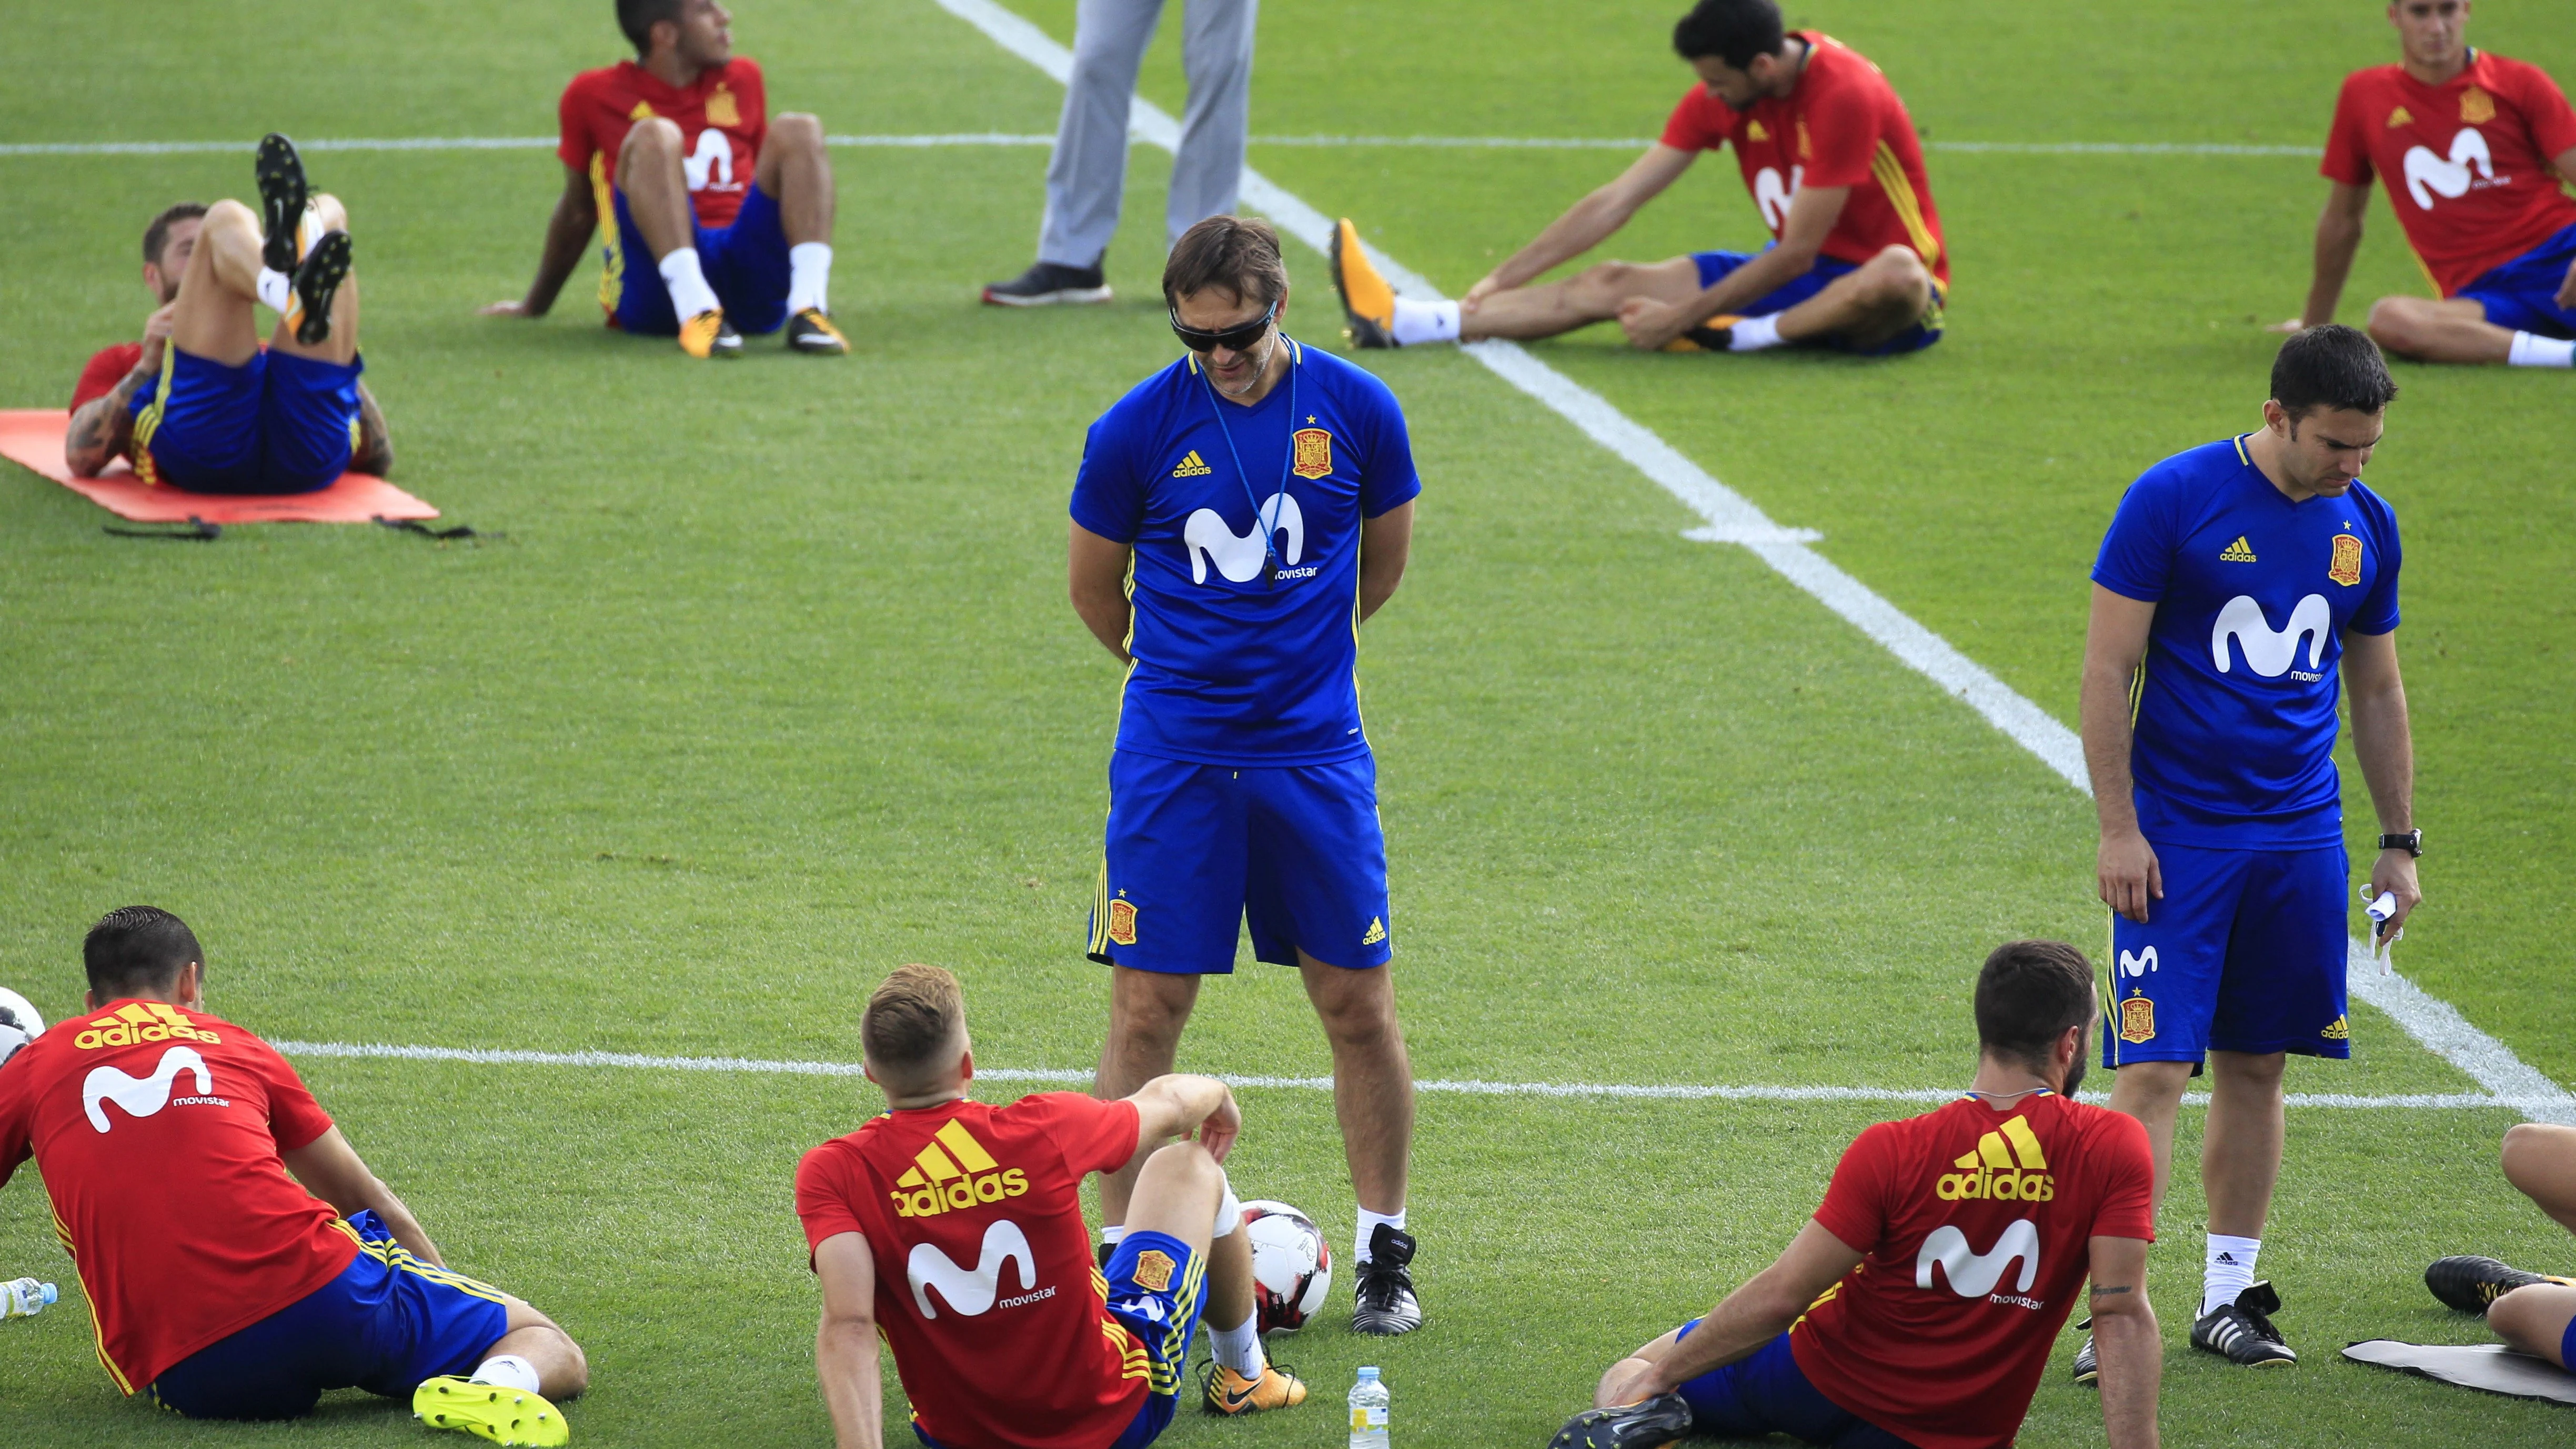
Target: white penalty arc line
point(1065, 1076)
point(1731, 518)
point(1022, 139)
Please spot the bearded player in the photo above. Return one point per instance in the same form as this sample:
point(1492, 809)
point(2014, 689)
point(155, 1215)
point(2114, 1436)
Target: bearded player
point(672, 157)
point(217, 1282)
point(1915, 1310)
point(2473, 147)
point(1857, 262)
point(954, 1231)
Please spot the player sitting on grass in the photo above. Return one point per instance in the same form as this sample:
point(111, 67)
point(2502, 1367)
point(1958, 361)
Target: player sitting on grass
point(1918, 1305)
point(955, 1231)
point(2473, 147)
point(673, 156)
point(227, 1288)
point(1834, 167)
point(201, 403)
point(2533, 1312)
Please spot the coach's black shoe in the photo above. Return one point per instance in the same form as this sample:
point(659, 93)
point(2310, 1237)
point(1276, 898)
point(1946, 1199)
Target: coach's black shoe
point(1048, 284)
point(1385, 1301)
point(2242, 1331)
point(2088, 1365)
point(317, 281)
point(2469, 1283)
point(282, 195)
point(1368, 303)
point(1646, 1424)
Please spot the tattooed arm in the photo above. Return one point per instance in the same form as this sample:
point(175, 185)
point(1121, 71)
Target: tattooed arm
point(375, 443)
point(103, 428)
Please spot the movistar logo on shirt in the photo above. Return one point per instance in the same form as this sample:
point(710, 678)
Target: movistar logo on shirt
point(954, 1171)
point(1192, 466)
point(974, 1291)
point(2007, 1166)
point(1973, 1274)
point(2267, 652)
point(2238, 552)
point(1210, 539)
point(2429, 175)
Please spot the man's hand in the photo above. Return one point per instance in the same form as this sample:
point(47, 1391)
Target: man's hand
point(1651, 324)
point(1485, 287)
point(2128, 875)
point(512, 307)
point(156, 338)
point(1629, 1380)
point(2395, 873)
point(2292, 327)
point(1218, 1131)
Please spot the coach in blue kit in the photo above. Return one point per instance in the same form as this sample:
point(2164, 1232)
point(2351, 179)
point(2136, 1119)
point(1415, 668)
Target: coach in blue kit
point(1236, 516)
point(2237, 581)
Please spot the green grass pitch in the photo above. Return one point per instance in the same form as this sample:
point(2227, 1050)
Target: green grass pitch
point(771, 685)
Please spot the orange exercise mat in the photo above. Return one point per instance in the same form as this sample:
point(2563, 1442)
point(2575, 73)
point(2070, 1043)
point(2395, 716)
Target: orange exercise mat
point(34, 436)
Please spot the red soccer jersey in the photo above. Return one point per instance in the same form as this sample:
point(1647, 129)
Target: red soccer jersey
point(723, 115)
point(1841, 125)
point(158, 1131)
point(2467, 161)
point(986, 1288)
point(1976, 1226)
point(105, 371)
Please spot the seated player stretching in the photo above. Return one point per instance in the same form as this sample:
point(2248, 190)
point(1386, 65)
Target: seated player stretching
point(672, 156)
point(954, 1230)
point(2474, 147)
point(2535, 1313)
point(201, 403)
point(1834, 166)
point(216, 1281)
point(1918, 1305)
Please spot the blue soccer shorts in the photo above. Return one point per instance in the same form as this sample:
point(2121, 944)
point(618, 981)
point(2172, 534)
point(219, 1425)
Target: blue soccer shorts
point(2245, 953)
point(2523, 293)
point(1768, 1394)
point(1197, 852)
point(279, 423)
point(385, 1324)
point(745, 262)
point(1714, 266)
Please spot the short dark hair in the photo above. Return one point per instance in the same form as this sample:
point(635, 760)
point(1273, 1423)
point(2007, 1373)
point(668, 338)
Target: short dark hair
point(2029, 993)
point(137, 949)
point(909, 1023)
point(156, 237)
point(637, 18)
point(1734, 31)
point(2333, 366)
point(1237, 253)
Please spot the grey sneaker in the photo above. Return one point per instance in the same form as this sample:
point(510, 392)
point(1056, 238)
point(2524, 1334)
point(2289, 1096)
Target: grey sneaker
point(1047, 284)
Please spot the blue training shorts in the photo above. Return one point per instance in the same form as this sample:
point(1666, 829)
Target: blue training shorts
point(2523, 293)
point(1713, 266)
point(1768, 1394)
point(1195, 852)
point(2245, 953)
point(279, 423)
point(745, 262)
point(385, 1324)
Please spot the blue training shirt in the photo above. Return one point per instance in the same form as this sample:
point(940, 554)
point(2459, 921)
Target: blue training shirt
point(2235, 704)
point(1231, 668)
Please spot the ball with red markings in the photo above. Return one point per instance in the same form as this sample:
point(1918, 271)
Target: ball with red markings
point(1292, 1267)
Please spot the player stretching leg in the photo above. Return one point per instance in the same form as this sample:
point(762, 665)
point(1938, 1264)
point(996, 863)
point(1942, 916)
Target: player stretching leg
point(2468, 143)
point(200, 403)
point(953, 1230)
point(1856, 264)
point(1916, 1308)
point(672, 156)
point(165, 1136)
point(1235, 518)
point(2237, 580)
point(2535, 1313)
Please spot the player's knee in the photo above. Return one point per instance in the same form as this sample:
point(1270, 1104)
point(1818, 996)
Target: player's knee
point(1358, 1018)
point(799, 130)
point(2531, 1149)
point(2394, 324)
point(652, 136)
point(229, 215)
point(2529, 1319)
point(1605, 284)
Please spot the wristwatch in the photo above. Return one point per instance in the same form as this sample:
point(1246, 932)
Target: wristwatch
point(2412, 842)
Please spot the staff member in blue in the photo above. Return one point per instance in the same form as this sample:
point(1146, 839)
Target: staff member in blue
point(1236, 517)
point(2237, 581)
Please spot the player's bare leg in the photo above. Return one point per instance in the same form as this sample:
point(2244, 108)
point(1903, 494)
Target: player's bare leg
point(213, 317)
point(2152, 1093)
point(2534, 1320)
point(2540, 1159)
point(328, 215)
point(655, 183)
point(563, 1371)
point(1147, 1012)
point(1594, 294)
point(2240, 1150)
point(2429, 331)
point(1372, 1077)
point(1886, 295)
point(1179, 1192)
point(796, 168)
point(1614, 1388)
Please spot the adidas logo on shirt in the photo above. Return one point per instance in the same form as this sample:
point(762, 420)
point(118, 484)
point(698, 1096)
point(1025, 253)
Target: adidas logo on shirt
point(2238, 552)
point(962, 1176)
point(2007, 1166)
point(1192, 466)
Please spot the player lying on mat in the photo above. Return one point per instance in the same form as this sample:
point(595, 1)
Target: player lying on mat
point(1916, 1309)
point(1857, 262)
point(225, 1287)
point(671, 157)
point(954, 1230)
point(2473, 147)
point(2533, 1312)
point(201, 403)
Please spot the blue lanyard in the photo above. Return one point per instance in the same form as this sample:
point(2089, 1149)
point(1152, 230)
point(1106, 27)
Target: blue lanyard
point(1269, 526)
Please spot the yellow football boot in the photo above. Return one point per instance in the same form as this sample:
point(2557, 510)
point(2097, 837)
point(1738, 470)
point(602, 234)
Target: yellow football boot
point(1709, 336)
point(502, 1415)
point(1368, 303)
point(811, 331)
point(708, 334)
point(1229, 1392)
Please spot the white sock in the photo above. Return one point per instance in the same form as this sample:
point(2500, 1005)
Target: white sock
point(1754, 333)
point(690, 294)
point(509, 1371)
point(1229, 1215)
point(1420, 322)
point(2229, 1271)
point(1239, 1347)
point(277, 289)
point(1111, 1234)
point(1368, 1230)
point(809, 277)
point(2530, 350)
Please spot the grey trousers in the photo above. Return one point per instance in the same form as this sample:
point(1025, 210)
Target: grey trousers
point(1089, 168)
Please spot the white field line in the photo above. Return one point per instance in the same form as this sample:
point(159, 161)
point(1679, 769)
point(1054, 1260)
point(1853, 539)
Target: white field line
point(1008, 138)
point(1732, 518)
point(1063, 1076)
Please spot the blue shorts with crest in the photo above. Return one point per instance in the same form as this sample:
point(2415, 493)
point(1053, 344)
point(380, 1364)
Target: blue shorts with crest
point(1714, 266)
point(279, 423)
point(2245, 953)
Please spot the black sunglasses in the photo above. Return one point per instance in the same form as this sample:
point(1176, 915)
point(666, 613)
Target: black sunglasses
point(1233, 339)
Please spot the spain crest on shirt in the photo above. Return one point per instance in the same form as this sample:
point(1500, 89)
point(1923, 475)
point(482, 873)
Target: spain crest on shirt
point(2345, 567)
point(1314, 453)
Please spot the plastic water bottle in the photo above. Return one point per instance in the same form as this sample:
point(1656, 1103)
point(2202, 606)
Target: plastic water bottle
point(1368, 1412)
point(25, 1298)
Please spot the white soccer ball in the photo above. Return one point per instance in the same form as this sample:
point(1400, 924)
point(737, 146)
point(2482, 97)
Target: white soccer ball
point(1292, 1268)
point(19, 1023)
